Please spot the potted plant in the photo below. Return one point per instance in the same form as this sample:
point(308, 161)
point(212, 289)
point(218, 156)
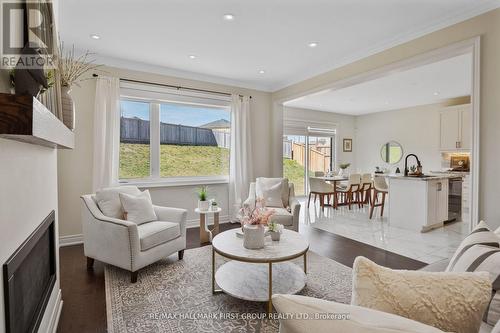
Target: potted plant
point(71, 68)
point(275, 230)
point(213, 205)
point(343, 167)
point(203, 203)
point(253, 221)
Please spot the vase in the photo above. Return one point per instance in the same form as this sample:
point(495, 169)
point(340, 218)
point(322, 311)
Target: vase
point(203, 205)
point(341, 172)
point(68, 108)
point(275, 236)
point(253, 237)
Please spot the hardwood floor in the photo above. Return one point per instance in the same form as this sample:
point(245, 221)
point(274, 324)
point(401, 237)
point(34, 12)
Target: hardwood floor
point(83, 292)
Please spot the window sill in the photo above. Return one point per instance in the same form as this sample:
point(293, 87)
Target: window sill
point(171, 182)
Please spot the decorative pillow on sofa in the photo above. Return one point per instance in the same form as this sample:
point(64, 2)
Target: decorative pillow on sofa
point(482, 258)
point(262, 184)
point(359, 320)
point(480, 235)
point(138, 208)
point(108, 200)
point(272, 196)
point(452, 302)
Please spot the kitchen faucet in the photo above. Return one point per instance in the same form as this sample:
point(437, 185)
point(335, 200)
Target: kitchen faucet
point(406, 163)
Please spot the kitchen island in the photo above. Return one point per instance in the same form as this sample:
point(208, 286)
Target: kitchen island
point(418, 203)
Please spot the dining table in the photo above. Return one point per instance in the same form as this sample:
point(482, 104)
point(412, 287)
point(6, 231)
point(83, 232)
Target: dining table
point(334, 180)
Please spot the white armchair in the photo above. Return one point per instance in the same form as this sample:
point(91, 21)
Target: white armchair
point(289, 215)
point(128, 245)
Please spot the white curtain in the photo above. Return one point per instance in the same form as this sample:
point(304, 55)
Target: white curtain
point(240, 167)
point(106, 132)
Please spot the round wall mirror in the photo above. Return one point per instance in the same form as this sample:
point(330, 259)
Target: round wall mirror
point(391, 152)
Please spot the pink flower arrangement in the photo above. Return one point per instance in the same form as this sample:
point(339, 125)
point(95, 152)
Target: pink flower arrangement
point(257, 215)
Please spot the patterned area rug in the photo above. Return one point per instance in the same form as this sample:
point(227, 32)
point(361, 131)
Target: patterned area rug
point(176, 296)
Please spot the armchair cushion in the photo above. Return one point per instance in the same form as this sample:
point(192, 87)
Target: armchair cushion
point(138, 208)
point(262, 184)
point(282, 216)
point(108, 200)
point(157, 232)
point(272, 196)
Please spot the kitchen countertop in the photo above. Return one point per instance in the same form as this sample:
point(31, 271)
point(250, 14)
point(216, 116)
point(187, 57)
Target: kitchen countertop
point(433, 176)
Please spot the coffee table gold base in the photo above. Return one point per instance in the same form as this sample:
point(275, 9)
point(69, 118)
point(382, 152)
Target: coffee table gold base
point(270, 277)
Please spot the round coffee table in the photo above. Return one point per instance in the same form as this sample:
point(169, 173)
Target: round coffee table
point(254, 275)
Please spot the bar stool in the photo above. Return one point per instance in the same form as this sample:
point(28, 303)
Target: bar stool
point(379, 186)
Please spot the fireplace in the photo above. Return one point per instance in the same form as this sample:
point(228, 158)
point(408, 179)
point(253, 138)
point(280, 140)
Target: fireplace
point(29, 276)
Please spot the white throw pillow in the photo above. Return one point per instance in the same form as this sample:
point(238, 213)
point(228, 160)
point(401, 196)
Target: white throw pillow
point(138, 208)
point(360, 320)
point(480, 235)
point(482, 258)
point(272, 196)
point(452, 302)
point(108, 200)
point(262, 184)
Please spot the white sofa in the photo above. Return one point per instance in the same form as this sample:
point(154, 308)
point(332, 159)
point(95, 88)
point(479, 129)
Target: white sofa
point(128, 245)
point(289, 215)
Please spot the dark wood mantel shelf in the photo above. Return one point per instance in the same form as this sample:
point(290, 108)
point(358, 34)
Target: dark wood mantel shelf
point(24, 118)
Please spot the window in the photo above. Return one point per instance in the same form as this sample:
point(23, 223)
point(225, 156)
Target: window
point(167, 137)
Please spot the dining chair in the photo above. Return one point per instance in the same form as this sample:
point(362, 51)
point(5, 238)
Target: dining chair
point(350, 193)
point(321, 188)
point(379, 187)
point(366, 188)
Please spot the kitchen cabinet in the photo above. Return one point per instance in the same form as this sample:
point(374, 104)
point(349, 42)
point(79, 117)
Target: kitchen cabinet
point(419, 204)
point(455, 128)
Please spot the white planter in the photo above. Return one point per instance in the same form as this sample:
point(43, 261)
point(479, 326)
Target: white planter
point(68, 108)
point(253, 237)
point(275, 236)
point(203, 205)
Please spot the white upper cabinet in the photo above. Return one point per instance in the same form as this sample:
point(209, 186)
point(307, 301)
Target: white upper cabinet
point(456, 127)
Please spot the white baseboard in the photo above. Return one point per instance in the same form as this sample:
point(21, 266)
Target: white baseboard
point(56, 313)
point(70, 240)
point(78, 239)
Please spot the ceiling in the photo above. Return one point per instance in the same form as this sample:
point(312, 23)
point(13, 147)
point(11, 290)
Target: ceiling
point(422, 85)
point(272, 36)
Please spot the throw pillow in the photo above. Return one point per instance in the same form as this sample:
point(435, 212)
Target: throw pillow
point(108, 200)
point(272, 196)
point(496, 329)
point(349, 318)
point(138, 208)
point(481, 258)
point(480, 235)
point(452, 302)
point(262, 183)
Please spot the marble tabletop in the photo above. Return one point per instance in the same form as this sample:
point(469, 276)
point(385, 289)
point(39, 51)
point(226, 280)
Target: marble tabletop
point(291, 245)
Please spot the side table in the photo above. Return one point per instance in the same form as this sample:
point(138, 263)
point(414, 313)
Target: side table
point(207, 234)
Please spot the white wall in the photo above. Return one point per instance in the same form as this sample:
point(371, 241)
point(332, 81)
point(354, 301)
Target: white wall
point(75, 166)
point(345, 125)
point(28, 174)
point(417, 129)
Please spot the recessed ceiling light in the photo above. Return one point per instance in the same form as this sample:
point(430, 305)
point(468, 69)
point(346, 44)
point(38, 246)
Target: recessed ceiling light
point(228, 17)
point(312, 44)
point(436, 93)
point(192, 56)
point(95, 36)
point(262, 71)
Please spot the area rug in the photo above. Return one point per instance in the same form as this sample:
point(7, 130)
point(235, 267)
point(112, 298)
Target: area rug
point(175, 296)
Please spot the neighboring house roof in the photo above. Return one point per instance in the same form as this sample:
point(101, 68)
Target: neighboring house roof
point(221, 123)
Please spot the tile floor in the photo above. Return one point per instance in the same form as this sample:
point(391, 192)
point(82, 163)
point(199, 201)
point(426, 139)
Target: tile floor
point(428, 247)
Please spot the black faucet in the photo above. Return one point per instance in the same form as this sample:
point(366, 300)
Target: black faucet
point(406, 163)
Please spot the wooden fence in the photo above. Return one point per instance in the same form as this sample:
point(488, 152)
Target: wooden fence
point(135, 130)
point(319, 160)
